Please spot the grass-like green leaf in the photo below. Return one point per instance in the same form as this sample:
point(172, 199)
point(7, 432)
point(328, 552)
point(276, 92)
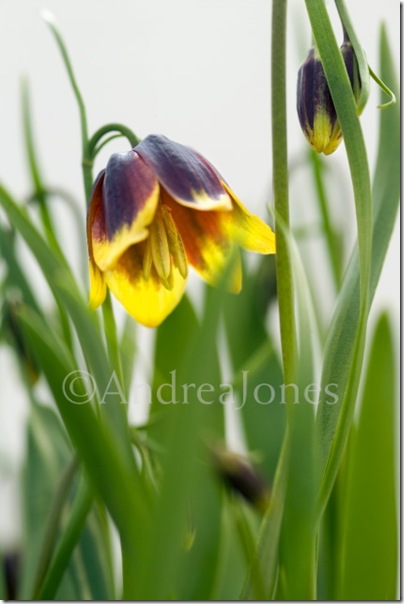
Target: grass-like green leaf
point(369, 516)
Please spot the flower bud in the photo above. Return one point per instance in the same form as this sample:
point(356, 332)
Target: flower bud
point(241, 477)
point(352, 67)
point(315, 107)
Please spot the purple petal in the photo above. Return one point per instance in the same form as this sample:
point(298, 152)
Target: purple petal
point(188, 178)
point(128, 186)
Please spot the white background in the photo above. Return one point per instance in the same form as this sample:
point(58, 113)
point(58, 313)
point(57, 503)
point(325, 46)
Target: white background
point(195, 70)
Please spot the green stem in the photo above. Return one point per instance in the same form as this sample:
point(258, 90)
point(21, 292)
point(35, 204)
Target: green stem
point(284, 275)
point(329, 232)
point(385, 89)
point(87, 160)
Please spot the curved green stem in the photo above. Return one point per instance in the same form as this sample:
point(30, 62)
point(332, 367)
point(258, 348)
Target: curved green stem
point(385, 89)
point(113, 127)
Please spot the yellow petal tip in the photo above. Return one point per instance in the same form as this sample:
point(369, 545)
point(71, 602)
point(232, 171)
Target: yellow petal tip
point(98, 288)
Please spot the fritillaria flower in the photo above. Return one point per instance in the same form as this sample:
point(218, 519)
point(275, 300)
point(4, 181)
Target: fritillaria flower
point(156, 210)
point(315, 108)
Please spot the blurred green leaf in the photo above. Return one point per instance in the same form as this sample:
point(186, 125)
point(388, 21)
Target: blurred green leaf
point(369, 541)
point(232, 566)
point(15, 273)
point(95, 549)
point(48, 452)
point(128, 352)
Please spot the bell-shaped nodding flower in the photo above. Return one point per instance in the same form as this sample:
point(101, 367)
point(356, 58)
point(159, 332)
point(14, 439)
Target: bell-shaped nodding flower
point(156, 210)
point(315, 107)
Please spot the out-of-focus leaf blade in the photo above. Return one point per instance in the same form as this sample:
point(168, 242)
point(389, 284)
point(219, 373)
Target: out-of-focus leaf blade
point(48, 451)
point(368, 556)
point(232, 566)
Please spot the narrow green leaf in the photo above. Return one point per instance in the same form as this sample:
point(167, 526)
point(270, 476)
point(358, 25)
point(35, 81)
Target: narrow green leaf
point(58, 503)
point(369, 551)
point(339, 354)
point(232, 566)
point(16, 277)
point(48, 452)
point(96, 551)
point(129, 351)
point(48, 589)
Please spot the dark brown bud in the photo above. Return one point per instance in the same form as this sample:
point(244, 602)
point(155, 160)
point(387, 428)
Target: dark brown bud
point(241, 476)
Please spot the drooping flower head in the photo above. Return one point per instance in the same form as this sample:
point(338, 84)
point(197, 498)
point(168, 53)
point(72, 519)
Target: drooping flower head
point(154, 211)
point(315, 107)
